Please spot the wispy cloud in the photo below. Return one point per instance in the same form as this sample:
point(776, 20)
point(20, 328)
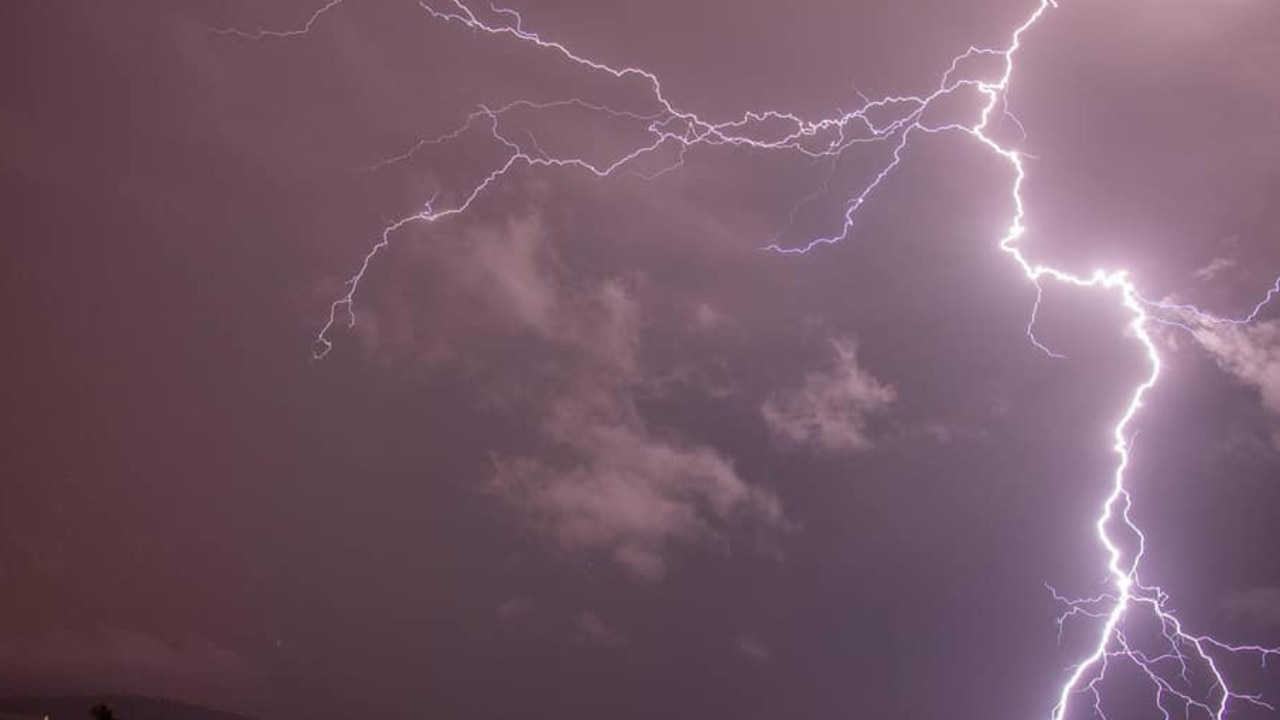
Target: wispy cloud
point(595, 630)
point(751, 647)
point(832, 408)
point(126, 661)
point(1213, 268)
point(626, 491)
point(603, 479)
point(1251, 353)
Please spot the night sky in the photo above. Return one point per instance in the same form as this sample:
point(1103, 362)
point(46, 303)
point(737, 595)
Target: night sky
point(589, 451)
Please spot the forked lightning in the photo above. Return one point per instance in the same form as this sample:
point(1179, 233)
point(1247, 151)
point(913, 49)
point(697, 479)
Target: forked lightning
point(1186, 675)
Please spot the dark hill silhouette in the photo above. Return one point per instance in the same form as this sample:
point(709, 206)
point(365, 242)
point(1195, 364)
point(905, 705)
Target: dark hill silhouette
point(125, 707)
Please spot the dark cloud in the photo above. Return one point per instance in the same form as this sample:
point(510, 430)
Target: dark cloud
point(123, 661)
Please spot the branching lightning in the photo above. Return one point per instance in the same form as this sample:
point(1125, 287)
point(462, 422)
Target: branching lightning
point(1186, 673)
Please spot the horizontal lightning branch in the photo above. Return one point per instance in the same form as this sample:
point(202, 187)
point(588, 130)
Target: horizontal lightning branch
point(1186, 674)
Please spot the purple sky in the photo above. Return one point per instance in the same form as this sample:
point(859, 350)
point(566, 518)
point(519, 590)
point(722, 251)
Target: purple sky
point(589, 452)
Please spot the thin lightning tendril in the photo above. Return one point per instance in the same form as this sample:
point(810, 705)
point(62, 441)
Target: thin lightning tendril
point(263, 34)
point(1185, 657)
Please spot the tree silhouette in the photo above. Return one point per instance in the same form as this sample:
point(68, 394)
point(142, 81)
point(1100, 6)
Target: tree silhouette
point(102, 711)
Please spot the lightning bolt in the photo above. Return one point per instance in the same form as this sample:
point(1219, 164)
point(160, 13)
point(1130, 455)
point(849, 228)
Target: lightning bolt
point(296, 32)
point(1185, 671)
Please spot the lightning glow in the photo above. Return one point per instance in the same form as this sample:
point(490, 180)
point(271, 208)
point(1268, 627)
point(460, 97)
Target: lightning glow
point(1186, 673)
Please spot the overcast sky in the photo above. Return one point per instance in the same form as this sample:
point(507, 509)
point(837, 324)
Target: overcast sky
point(589, 451)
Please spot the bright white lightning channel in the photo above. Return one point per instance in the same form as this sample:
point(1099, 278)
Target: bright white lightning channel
point(1186, 675)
